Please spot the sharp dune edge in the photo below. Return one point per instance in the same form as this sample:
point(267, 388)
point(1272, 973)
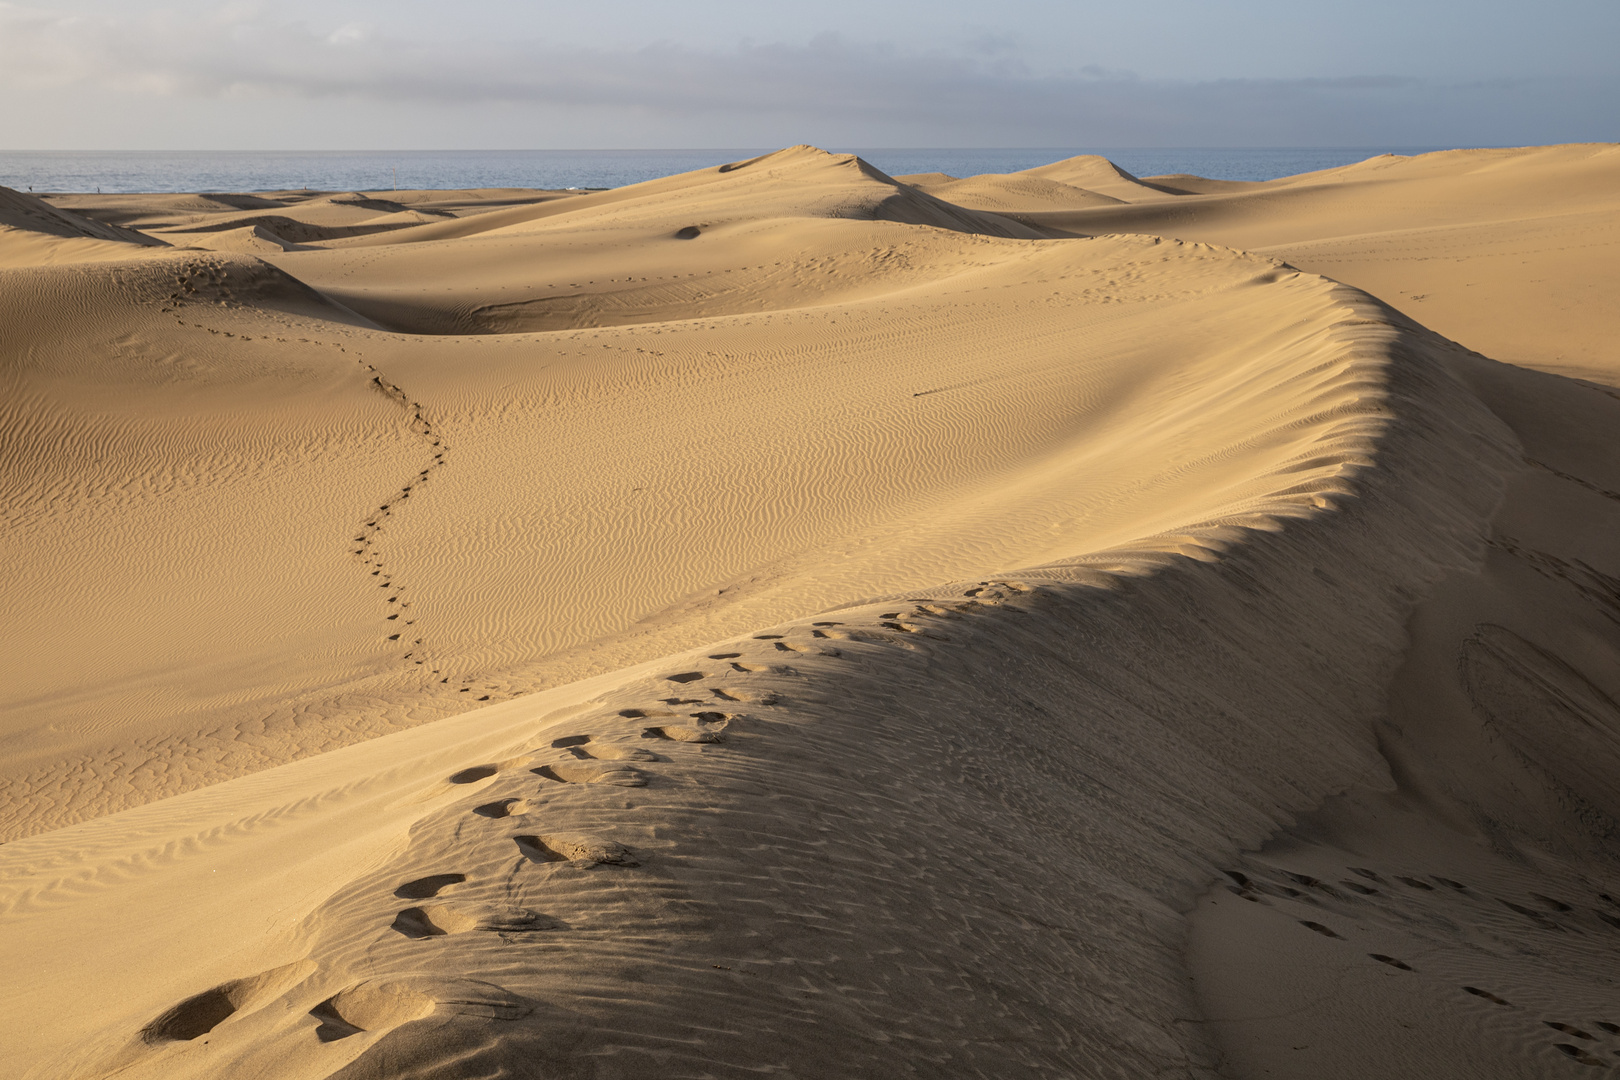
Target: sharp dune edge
point(785, 619)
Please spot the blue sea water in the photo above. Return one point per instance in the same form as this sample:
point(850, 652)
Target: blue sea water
point(380, 170)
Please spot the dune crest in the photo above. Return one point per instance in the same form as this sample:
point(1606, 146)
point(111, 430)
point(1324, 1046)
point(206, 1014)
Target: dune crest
point(1003, 193)
point(1097, 174)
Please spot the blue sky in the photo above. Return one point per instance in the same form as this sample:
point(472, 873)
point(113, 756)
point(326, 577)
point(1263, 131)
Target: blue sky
point(359, 74)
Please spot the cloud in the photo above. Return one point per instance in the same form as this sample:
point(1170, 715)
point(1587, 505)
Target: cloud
point(981, 94)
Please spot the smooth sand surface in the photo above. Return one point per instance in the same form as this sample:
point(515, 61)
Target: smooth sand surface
point(782, 619)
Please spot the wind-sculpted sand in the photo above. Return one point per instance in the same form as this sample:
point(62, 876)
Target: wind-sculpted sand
point(783, 619)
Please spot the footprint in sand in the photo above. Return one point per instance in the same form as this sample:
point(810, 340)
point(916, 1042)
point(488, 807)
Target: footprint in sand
point(436, 920)
point(370, 1006)
point(738, 694)
point(501, 808)
point(1537, 917)
point(424, 888)
point(585, 748)
point(199, 1014)
point(1579, 1055)
point(377, 1005)
point(443, 920)
point(687, 733)
point(1319, 928)
point(639, 714)
point(576, 849)
point(614, 752)
point(579, 772)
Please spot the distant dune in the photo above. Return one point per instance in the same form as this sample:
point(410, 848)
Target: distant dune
point(786, 619)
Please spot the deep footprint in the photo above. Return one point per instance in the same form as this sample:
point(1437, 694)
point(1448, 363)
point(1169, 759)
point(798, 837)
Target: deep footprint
point(575, 849)
point(427, 887)
point(472, 775)
point(437, 920)
point(583, 773)
point(1580, 1055)
point(503, 808)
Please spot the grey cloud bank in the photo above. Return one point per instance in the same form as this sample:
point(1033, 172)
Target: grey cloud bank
point(157, 81)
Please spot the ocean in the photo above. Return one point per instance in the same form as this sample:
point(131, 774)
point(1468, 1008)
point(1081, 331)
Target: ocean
point(380, 170)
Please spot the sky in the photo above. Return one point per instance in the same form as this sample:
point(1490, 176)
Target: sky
point(538, 74)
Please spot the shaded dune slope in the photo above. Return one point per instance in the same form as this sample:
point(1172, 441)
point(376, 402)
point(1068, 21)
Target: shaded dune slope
point(32, 232)
point(1461, 919)
point(28, 213)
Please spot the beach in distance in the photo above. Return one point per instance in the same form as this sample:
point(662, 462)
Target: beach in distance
point(247, 171)
point(811, 614)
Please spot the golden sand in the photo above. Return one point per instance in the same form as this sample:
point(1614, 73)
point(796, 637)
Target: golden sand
point(783, 619)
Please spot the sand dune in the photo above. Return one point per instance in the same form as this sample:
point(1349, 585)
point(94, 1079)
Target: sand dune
point(1510, 252)
point(1008, 192)
point(1101, 176)
point(33, 232)
point(783, 618)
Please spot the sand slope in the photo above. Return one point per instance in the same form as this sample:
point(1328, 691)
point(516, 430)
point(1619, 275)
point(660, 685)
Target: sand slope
point(1001, 193)
point(1510, 252)
point(864, 639)
point(507, 498)
point(33, 232)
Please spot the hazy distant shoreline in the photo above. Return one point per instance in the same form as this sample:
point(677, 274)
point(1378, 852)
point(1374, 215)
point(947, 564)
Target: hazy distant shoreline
point(371, 170)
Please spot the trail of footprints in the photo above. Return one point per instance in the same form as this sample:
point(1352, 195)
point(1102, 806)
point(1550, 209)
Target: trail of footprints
point(214, 279)
point(609, 756)
point(697, 712)
point(697, 717)
point(1369, 886)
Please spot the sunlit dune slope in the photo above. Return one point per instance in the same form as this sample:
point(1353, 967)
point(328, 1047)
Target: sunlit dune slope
point(759, 235)
point(1011, 192)
point(1510, 252)
point(312, 215)
point(273, 480)
point(1100, 176)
